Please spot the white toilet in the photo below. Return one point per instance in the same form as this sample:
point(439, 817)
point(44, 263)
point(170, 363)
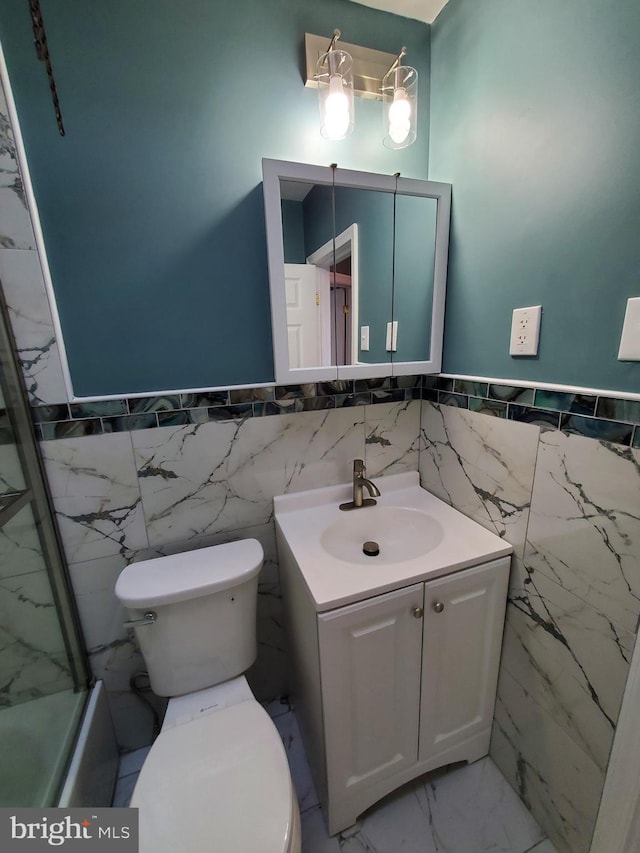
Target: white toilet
point(216, 778)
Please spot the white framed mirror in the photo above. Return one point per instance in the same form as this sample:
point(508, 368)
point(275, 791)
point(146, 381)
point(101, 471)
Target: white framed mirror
point(357, 272)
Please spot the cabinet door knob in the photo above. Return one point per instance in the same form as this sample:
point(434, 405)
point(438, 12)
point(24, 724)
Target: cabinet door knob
point(438, 606)
point(417, 612)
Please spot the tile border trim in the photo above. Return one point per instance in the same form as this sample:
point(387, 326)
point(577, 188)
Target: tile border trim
point(125, 414)
point(605, 418)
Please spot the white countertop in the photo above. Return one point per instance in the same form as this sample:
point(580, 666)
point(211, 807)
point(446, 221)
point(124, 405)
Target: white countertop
point(302, 517)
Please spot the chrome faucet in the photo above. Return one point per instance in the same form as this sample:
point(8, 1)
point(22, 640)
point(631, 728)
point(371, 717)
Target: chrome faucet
point(360, 482)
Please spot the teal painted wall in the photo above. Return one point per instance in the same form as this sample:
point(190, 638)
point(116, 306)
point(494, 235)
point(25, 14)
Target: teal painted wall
point(151, 205)
point(293, 232)
point(535, 120)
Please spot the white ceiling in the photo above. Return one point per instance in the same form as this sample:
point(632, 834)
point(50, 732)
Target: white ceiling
point(420, 10)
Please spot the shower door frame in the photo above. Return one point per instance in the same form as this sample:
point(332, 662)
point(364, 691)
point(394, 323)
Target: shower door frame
point(36, 495)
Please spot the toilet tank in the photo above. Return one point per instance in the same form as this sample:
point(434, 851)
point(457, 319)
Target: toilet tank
point(204, 602)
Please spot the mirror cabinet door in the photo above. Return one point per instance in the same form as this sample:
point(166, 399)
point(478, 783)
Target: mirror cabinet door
point(413, 277)
point(364, 294)
point(307, 221)
point(357, 269)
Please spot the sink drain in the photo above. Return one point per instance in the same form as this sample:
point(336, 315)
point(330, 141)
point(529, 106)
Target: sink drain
point(371, 549)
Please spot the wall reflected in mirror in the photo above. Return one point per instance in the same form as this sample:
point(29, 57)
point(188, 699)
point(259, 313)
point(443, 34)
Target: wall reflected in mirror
point(413, 276)
point(356, 262)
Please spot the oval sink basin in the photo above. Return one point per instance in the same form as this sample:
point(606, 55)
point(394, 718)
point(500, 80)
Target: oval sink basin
point(402, 534)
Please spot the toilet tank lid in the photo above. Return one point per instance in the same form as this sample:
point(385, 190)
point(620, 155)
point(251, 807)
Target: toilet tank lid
point(179, 577)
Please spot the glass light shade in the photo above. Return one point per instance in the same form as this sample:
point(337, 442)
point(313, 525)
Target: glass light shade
point(400, 107)
point(335, 90)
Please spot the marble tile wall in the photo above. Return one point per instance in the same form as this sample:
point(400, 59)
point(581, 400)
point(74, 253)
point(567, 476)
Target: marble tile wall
point(22, 279)
point(570, 505)
point(125, 496)
point(32, 653)
point(33, 659)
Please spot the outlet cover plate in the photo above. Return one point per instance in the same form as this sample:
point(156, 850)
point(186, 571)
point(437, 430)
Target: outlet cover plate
point(630, 339)
point(525, 330)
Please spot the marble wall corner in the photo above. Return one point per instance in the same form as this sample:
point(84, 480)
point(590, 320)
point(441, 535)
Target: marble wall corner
point(570, 659)
point(483, 466)
point(22, 280)
point(392, 437)
point(15, 223)
point(32, 324)
point(556, 780)
point(584, 525)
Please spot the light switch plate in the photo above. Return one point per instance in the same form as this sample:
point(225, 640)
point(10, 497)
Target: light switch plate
point(525, 330)
point(630, 338)
point(364, 338)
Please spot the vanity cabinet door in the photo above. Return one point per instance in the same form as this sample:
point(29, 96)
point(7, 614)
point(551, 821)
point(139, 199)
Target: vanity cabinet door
point(370, 671)
point(463, 622)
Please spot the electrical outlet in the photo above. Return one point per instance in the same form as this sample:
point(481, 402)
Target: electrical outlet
point(525, 330)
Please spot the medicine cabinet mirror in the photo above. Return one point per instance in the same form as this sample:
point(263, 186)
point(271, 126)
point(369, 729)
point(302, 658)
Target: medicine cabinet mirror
point(357, 271)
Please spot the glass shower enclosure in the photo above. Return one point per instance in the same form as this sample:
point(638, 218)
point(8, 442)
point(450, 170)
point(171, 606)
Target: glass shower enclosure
point(43, 669)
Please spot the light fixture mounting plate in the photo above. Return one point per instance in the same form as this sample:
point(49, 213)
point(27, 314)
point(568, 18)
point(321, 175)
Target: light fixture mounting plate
point(369, 66)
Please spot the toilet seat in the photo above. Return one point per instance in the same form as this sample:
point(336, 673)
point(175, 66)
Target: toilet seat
point(219, 783)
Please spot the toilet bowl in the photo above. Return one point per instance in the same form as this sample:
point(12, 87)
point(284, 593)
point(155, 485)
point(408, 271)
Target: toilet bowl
point(217, 777)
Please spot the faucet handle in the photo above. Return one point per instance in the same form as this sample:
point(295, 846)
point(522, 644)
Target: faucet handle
point(358, 467)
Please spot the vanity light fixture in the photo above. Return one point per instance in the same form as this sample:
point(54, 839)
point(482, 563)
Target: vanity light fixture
point(341, 73)
point(400, 102)
point(335, 91)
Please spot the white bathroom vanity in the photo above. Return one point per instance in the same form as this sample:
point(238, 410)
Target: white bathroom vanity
point(395, 657)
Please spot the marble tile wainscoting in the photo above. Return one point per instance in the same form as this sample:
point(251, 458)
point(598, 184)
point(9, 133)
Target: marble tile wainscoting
point(126, 496)
point(570, 505)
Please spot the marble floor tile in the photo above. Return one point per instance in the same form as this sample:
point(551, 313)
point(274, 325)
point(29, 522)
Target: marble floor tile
point(314, 833)
point(473, 808)
point(124, 790)
point(544, 847)
point(131, 762)
point(288, 728)
point(132, 720)
point(277, 707)
point(399, 822)
point(462, 809)
point(465, 809)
